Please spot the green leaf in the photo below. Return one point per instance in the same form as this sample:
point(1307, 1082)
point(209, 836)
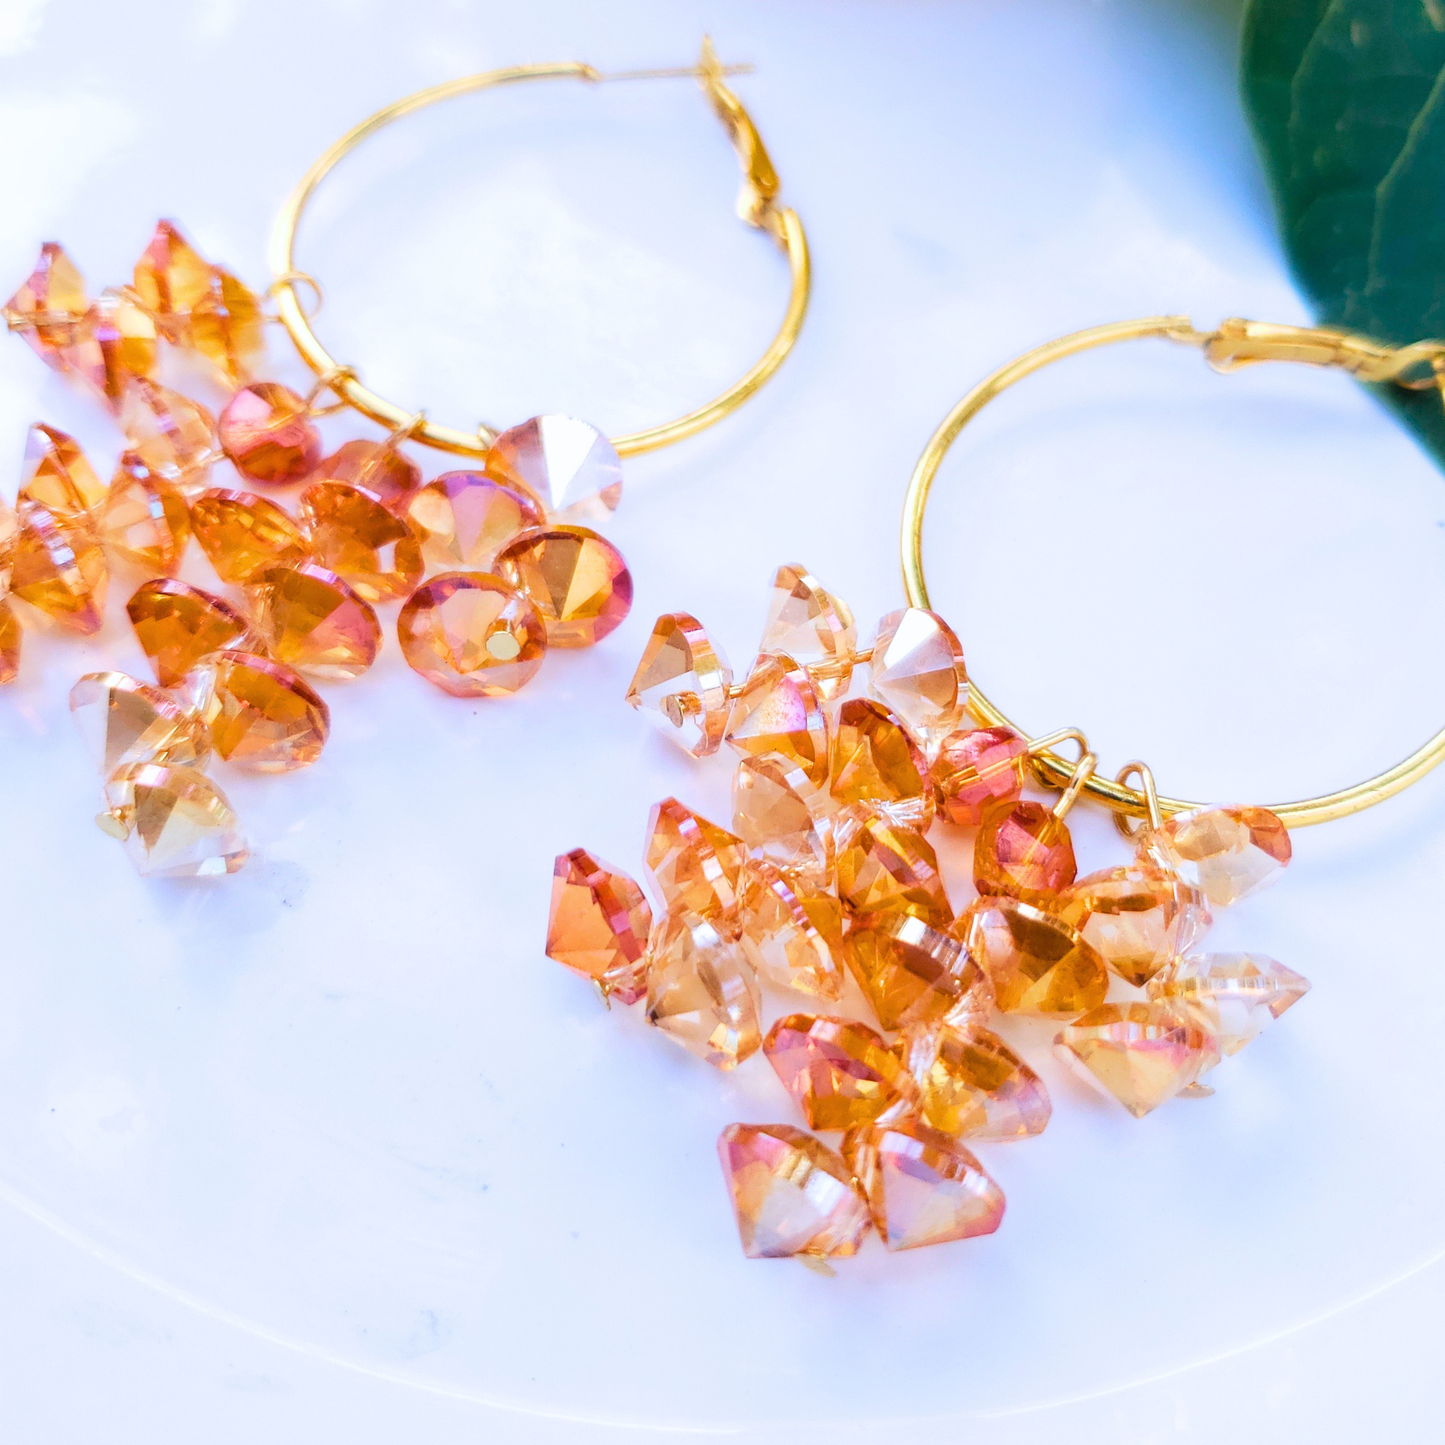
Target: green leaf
point(1347, 98)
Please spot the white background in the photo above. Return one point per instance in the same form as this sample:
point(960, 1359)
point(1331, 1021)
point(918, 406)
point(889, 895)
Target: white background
point(329, 1150)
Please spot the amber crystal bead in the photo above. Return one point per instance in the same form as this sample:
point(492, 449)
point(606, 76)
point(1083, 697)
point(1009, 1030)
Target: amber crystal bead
point(814, 628)
point(922, 1187)
point(358, 537)
point(876, 762)
point(267, 432)
point(883, 867)
point(599, 925)
point(575, 578)
point(978, 770)
point(567, 464)
point(262, 715)
point(9, 526)
point(1037, 963)
point(226, 327)
point(701, 991)
point(11, 642)
point(48, 305)
point(173, 436)
point(681, 684)
point(57, 475)
point(242, 534)
point(122, 720)
point(465, 518)
point(778, 713)
point(177, 625)
point(1230, 995)
point(308, 618)
point(839, 1072)
point(171, 279)
point(112, 345)
point(472, 635)
point(914, 973)
point(1227, 853)
point(695, 864)
point(1138, 1053)
point(791, 1194)
point(1136, 917)
point(1025, 853)
point(783, 818)
point(380, 469)
point(58, 569)
point(970, 1082)
point(176, 823)
point(143, 519)
point(917, 672)
point(793, 939)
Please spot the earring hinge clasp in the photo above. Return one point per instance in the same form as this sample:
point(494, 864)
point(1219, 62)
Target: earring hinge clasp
point(1239, 343)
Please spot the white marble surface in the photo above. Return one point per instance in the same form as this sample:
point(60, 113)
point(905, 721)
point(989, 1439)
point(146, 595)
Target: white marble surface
point(330, 1151)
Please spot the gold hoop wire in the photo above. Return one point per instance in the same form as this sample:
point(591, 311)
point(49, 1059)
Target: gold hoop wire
point(758, 206)
point(1235, 343)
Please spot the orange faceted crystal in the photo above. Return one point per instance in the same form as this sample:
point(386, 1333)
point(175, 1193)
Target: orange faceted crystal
point(59, 569)
point(227, 327)
point(173, 436)
point(379, 468)
point(876, 762)
point(917, 671)
point(9, 525)
point(472, 635)
point(57, 475)
point(782, 817)
point(465, 518)
point(575, 578)
point(177, 625)
point(681, 685)
point(352, 532)
point(839, 1072)
point(695, 864)
point(121, 720)
point(262, 716)
point(701, 991)
point(267, 432)
point(1138, 1053)
point(886, 868)
point(599, 925)
point(971, 1083)
point(1037, 963)
point(978, 770)
point(793, 940)
point(175, 821)
point(778, 713)
point(47, 307)
point(10, 642)
point(311, 620)
point(568, 465)
point(112, 345)
point(813, 627)
point(922, 1187)
point(1136, 917)
point(1226, 853)
point(144, 519)
point(171, 279)
point(1230, 995)
point(914, 973)
point(1025, 853)
point(243, 534)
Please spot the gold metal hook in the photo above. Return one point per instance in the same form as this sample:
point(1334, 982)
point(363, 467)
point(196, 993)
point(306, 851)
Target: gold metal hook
point(1083, 771)
point(1151, 799)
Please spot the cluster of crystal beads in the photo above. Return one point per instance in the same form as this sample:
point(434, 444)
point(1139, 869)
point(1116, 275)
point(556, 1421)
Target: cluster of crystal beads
point(826, 891)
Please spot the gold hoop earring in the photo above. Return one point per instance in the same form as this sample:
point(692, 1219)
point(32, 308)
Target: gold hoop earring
point(493, 565)
point(825, 885)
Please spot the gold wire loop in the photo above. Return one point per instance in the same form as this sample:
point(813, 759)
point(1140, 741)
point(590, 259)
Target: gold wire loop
point(291, 279)
point(1151, 799)
point(762, 210)
point(1233, 343)
point(333, 379)
point(1083, 771)
point(407, 429)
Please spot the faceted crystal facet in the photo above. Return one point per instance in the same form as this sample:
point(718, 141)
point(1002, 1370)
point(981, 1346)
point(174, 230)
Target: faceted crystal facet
point(792, 940)
point(59, 569)
point(311, 620)
point(174, 436)
point(465, 518)
point(177, 625)
point(977, 771)
point(9, 526)
point(695, 864)
point(1139, 1053)
point(782, 817)
point(681, 684)
point(227, 328)
point(839, 1072)
point(262, 716)
point(812, 627)
point(876, 762)
point(1024, 853)
point(472, 635)
point(121, 720)
point(791, 1194)
point(599, 924)
point(702, 992)
point(576, 579)
point(922, 1187)
point(177, 822)
point(144, 519)
point(917, 671)
point(267, 432)
point(48, 305)
point(970, 1082)
point(1137, 918)
point(353, 532)
point(570, 466)
point(57, 475)
point(171, 279)
point(243, 534)
point(914, 973)
point(778, 713)
point(10, 642)
point(1226, 853)
point(1230, 995)
point(885, 868)
point(1037, 963)
point(112, 345)
point(383, 471)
